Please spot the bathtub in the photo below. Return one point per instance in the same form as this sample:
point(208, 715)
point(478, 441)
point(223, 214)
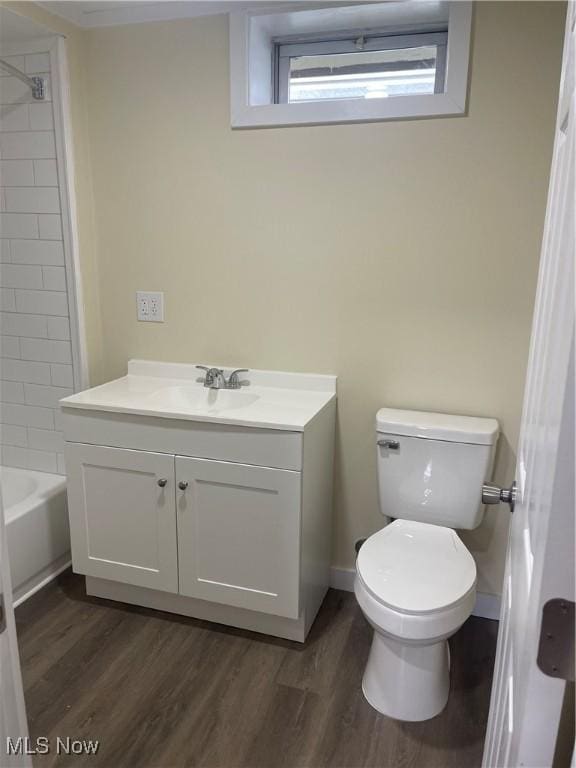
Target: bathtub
point(37, 531)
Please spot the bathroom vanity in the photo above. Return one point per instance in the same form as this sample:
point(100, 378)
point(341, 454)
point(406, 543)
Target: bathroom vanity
point(212, 503)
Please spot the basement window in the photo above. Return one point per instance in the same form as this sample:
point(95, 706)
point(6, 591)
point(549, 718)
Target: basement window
point(360, 67)
point(350, 63)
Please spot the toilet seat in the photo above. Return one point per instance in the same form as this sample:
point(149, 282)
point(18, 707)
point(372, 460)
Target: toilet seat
point(415, 568)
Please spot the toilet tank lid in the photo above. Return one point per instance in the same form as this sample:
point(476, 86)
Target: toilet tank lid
point(437, 426)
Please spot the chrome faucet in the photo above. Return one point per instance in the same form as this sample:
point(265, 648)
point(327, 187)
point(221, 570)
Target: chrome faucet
point(215, 378)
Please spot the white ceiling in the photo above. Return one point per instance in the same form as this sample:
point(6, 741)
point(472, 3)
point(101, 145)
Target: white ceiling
point(106, 13)
point(110, 13)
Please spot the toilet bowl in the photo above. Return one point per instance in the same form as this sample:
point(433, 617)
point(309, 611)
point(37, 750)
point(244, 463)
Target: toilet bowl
point(416, 585)
point(415, 580)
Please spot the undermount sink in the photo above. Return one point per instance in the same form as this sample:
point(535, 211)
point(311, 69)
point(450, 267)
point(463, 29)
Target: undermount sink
point(197, 399)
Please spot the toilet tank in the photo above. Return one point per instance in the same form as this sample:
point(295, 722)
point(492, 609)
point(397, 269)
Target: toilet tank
point(431, 466)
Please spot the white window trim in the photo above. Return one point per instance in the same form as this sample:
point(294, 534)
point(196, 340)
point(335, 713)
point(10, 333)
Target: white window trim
point(253, 108)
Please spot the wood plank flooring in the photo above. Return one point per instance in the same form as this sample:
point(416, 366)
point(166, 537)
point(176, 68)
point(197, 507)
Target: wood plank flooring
point(162, 691)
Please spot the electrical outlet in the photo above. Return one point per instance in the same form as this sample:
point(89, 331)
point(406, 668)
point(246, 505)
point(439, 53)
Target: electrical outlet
point(150, 306)
point(143, 305)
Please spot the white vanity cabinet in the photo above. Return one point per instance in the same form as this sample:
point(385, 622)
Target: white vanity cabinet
point(210, 518)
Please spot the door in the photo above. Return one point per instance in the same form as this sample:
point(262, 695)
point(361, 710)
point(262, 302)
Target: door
point(13, 724)
point(239, 535)
point(122, 515)
point(526, 703)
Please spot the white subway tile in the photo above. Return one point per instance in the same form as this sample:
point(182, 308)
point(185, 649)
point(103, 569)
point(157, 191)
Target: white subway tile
point(54, 278)
point(21, 276)
point(36, 63)
point(61, 464)
point(19, 225)
point(15, 324)
point(58, 328)
point(32, 199)
point(45, 173)
point(58, 420)
point(51, 441)
point(25, 371)
point(4, 251)
point(14, 117)
point(18, 173)
point(26, 458)
point(50, 226)
point(13, 435)
point(37, 252)
point(44, 350)
point(14, 457)
point(41, 302)
point(41, 116)
point(11, 392)
point(42, 461)
point(7, 300)
point(10, 346)
point(62, 375)
point(26, 415)
point(17, 60)
point(45, 440)
point(14, 91)
point(48, 397)
point(27, 145)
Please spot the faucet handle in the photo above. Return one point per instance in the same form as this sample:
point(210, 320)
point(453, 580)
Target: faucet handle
point(233, 380)
point(208, 380)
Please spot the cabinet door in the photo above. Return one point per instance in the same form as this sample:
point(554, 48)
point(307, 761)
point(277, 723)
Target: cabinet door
point(239, 535)
point(122, 515)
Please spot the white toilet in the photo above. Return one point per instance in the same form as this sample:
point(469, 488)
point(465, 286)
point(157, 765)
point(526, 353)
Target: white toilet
point(415, 579)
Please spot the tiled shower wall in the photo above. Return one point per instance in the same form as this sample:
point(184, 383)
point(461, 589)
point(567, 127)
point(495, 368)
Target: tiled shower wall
point(35, 349)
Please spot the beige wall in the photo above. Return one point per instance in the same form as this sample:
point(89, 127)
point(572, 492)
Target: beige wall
point(401, 256)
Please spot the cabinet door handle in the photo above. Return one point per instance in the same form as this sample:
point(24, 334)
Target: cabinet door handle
point(162, 482)
point(183, 484)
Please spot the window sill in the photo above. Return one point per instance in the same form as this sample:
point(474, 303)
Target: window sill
point(352, 111)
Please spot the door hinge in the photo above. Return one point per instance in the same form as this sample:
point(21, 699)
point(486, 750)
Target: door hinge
point(2, 614)
point(556, 647)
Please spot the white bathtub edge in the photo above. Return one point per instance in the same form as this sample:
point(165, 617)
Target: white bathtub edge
point(41, 579)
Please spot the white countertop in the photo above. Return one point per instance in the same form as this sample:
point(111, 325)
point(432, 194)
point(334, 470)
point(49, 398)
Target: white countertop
point(271, 400)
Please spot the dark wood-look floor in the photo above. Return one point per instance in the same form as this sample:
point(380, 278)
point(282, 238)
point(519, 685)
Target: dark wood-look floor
point(159, 690)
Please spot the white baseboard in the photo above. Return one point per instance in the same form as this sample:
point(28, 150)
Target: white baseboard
point(342, 578)
point(487, 606)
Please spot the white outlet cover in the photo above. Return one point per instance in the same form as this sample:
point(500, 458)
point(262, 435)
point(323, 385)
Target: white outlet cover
point(150, 306)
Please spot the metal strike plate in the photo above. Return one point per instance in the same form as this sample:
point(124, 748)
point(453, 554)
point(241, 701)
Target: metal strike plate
point(556, 648)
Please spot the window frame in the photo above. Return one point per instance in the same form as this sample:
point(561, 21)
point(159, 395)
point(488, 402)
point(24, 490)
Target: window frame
point(252, 35)
point(284, 50)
